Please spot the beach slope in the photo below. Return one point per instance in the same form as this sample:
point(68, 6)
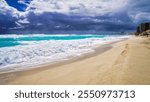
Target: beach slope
point(127, 62)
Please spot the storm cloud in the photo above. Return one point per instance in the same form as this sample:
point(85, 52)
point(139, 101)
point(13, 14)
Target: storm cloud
point(48, 16)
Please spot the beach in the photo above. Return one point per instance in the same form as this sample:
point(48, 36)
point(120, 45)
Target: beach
point(126, 62)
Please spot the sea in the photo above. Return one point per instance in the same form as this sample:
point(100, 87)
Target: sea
point(23, 52)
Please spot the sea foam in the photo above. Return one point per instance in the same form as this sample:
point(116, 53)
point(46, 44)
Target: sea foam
point(34, 53)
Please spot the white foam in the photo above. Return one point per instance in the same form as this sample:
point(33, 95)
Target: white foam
point(36, 53)
point(37, 35)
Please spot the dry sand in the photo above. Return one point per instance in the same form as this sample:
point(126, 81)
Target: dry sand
point(127, 62)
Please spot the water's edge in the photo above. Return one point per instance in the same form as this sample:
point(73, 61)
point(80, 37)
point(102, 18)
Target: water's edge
point(79, 54)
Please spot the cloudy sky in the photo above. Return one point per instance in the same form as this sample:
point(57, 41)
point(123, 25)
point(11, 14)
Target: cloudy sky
point(49, 16)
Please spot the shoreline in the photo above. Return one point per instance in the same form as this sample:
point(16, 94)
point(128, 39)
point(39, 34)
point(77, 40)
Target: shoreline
point(122, 63)
point(6, 76)
point(99, 49)
point(14, 67)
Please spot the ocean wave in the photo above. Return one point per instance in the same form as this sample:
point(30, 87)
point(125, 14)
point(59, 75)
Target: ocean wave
point(32, 53)
point(41, 35)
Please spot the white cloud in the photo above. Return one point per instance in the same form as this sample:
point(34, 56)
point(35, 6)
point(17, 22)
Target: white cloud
point(98, 11)
point(17, 27)
point(69, 7)
point(5, 9)
point(22, 2)
point(77, 7)
point(20, 23)
point(23, 21)
point(140, 16)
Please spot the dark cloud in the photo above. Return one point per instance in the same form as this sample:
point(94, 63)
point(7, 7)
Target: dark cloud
point(52, 22)
point(7, 21)
point(140, 10)
point(141, 5)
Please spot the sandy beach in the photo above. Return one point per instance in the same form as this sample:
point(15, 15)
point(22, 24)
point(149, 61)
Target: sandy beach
point(123, 63)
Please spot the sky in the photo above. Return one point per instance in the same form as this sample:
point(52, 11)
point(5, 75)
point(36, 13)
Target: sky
point(63, 16)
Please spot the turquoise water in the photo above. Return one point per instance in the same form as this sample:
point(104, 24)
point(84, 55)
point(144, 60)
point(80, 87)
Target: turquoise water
point(20, 52)
point(15, 40)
